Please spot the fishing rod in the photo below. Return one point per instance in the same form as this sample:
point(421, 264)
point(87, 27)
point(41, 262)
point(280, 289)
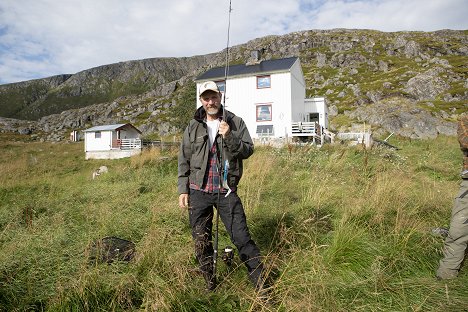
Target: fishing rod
point(222, 168)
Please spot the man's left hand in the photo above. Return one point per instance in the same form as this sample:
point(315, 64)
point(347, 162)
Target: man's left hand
point(224, 129)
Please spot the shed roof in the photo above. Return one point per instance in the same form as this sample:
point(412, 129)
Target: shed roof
point(265, 67)
point(111, 128)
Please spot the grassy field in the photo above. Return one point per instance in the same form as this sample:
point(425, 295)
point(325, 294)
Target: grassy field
point(341, 228)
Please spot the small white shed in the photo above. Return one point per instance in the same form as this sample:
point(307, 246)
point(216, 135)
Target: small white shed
point(112, 141)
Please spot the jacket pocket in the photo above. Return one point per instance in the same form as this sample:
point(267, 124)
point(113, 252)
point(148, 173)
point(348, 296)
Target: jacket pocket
point(198, 152)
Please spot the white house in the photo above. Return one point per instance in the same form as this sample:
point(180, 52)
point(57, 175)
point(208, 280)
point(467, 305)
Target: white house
point(270, 97)
point(112, 141)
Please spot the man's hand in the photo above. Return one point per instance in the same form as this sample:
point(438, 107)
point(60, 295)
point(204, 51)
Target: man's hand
point(183, 200)
point(224, 129)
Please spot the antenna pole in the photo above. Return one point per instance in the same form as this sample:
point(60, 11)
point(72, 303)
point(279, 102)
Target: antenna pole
point(226, 68)
point(221, 158)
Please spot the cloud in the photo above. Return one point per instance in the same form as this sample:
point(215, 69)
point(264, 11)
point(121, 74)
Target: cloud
point(40, 38)
point(395, 15)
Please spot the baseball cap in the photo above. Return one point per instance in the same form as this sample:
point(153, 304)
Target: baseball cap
point(208, 85)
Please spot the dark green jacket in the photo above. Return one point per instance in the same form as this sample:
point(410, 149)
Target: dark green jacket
point(194, 150)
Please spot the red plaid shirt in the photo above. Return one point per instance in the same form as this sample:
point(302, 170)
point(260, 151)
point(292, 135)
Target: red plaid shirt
point(211, 182)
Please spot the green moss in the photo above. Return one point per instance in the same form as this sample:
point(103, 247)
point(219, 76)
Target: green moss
point(341, 120)
point(144, 115)
point(458, 63)
point(455, 107)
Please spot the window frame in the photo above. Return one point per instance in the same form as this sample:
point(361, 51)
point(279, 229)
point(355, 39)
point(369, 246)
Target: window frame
point(265, 134)
point(262, 85)
point(97, 135)
point(258, 109)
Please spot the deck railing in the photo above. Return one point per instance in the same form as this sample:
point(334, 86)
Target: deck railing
point(303, 128)
point(127, 144)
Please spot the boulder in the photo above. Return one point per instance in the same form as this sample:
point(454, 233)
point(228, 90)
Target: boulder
point(427, 85)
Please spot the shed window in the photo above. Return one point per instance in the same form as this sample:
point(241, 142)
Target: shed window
point(97, 134)
point(263, 82)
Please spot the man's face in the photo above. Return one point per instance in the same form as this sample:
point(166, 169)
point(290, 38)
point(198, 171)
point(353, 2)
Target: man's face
point(211, 102)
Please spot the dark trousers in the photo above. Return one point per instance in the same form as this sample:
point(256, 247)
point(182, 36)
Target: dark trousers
point(232, 214)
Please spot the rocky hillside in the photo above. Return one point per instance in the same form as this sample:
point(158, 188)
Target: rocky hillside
point(37, 98)
point(411, 83)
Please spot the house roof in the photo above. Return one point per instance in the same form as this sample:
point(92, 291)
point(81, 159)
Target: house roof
point(111, 128)
point(265, 67)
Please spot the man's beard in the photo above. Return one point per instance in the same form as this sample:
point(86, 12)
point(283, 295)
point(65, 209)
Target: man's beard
point(212, 111)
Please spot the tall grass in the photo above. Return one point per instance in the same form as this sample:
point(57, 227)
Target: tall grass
point(341, 229)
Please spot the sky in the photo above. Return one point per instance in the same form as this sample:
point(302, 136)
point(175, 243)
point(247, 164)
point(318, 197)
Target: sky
point(42, 38)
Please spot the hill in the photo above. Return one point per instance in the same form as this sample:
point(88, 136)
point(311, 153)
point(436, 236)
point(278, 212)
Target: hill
point(365, 75)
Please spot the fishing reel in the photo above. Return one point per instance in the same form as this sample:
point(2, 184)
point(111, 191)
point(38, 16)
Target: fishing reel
point(228, 255)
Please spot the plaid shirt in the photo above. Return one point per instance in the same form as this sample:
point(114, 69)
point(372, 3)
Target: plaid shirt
point(211, 182)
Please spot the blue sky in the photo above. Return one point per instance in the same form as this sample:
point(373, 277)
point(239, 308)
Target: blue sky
point(41, 38)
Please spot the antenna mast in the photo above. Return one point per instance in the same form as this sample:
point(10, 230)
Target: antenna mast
point(221, 165)
point(226, 68)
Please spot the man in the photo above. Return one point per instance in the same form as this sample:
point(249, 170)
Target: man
point(211, 138)
point(457, 239)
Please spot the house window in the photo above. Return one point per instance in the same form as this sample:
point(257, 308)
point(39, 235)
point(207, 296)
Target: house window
point(265, 130)
point(97, 134)
point(221, 85)
point(264, 112)
point(263, 82)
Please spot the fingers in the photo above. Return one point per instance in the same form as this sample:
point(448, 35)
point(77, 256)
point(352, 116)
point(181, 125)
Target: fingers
point(183, 200)
point(224, 128)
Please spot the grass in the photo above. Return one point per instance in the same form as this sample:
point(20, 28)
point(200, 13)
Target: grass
point(341, 228)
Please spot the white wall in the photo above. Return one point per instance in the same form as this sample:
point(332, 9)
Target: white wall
point(102, 144)
point(112, 154)
point(297, 95)
point(318, 105)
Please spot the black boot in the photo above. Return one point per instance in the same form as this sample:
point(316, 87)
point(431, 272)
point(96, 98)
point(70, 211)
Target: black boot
point(204, 253)
point(256, 277)
point(210, 280)
point(207, 271)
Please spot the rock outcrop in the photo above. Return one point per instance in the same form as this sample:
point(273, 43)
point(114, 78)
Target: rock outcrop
point(402, 117)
